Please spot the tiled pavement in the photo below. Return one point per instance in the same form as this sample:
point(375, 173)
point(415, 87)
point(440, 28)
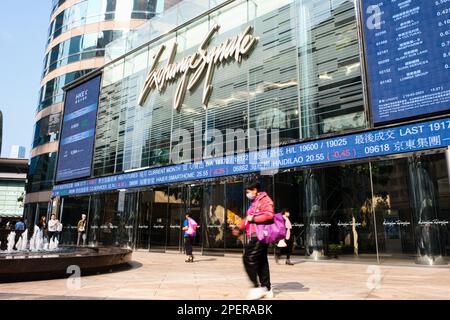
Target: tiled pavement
point(167, 276)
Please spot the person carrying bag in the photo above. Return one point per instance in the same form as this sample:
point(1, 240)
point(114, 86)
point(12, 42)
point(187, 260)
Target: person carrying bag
point(285, 245)
point(190, 230)
point(262, 226)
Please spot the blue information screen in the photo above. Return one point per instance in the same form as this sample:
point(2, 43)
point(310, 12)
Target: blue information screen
point(78, 131)
point(407, 138)
point(408, 57)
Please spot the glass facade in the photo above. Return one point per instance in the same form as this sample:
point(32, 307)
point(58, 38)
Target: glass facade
point(304, 79)
point(41, 172)
point(32, 214)
point(56, 4)
point(52, 92)
point(77, 48)
point(86, 46)
point(89, 45)
point(94, 11)
point(46, 130)
point(337, 212)
point(10, 191)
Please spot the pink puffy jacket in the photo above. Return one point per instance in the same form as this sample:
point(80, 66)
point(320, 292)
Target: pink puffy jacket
point(263, 210)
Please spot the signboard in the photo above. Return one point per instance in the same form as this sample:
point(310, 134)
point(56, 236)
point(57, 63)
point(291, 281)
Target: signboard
point(408, 57)
point(192, 68)
point(401, 139)
point(78, 131)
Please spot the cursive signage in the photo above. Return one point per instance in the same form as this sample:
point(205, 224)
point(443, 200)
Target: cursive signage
point(195, 65)
point(320, 224)
point(435, 221)
point(396, 223)
point(348, 224)
point(214, 226)
point(297, 225)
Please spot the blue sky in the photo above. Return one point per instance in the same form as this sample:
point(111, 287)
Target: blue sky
point(23, 32)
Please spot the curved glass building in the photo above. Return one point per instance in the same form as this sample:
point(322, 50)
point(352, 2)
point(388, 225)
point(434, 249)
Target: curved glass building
point(78, 33)
point(340, 108)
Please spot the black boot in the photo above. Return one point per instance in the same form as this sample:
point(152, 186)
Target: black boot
point(189, 259)
point(288, 262)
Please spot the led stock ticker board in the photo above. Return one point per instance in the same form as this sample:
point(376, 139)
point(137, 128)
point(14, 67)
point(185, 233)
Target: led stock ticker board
point(395, 140)
point(78, 131)
point(408, 57)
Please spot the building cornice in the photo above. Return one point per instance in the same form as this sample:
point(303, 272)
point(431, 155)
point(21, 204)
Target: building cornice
point(45, 148)
point(42, 196)
point(72, 67)
point(55, 108)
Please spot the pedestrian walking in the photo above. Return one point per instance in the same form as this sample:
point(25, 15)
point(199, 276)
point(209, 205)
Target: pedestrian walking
point(81, 228)
point(58, 231)
point(42, 225)
point(53, 227)
point(190, 230)
point(19, 229)
point(285, 246)
point(261, 211)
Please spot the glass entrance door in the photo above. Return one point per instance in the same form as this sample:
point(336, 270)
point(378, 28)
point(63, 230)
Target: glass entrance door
point(159, 198)
point(392, 208)
point(177, 210)
point(235, 212)
point(338, 212)
point(143, 220)
point(127, 212)
point(213, 219)
point(195, 201)
point(71, 211)
point(412, 201)
point(289, 191)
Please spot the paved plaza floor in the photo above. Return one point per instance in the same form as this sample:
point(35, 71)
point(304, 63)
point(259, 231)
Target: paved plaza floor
point(167, 276)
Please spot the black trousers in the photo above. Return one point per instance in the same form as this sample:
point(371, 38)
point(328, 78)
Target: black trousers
point(52, 235)
point(286, 250)
point(188, 241)
point(256, 263)
point(18, 235)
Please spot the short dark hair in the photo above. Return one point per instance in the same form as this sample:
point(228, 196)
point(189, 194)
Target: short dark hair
point(254, 184)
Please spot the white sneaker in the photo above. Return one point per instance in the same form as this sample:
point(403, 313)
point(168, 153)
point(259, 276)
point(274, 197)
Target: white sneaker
point(256, 293)
point(268, 294)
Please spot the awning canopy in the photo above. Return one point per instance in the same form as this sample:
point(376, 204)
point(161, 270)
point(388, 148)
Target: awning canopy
point(10, 215)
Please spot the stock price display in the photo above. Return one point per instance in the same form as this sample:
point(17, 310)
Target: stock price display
point(408, 56)
point(407, 138)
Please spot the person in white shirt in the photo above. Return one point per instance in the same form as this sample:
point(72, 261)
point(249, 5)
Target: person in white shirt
point(53, 227)
point(81, 228)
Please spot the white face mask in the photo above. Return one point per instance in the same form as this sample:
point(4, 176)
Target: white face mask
point(250, 196)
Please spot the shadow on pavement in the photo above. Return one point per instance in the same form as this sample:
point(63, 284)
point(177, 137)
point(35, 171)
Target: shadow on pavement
point(125, 267)
point(203, 260)
point(289, 286)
